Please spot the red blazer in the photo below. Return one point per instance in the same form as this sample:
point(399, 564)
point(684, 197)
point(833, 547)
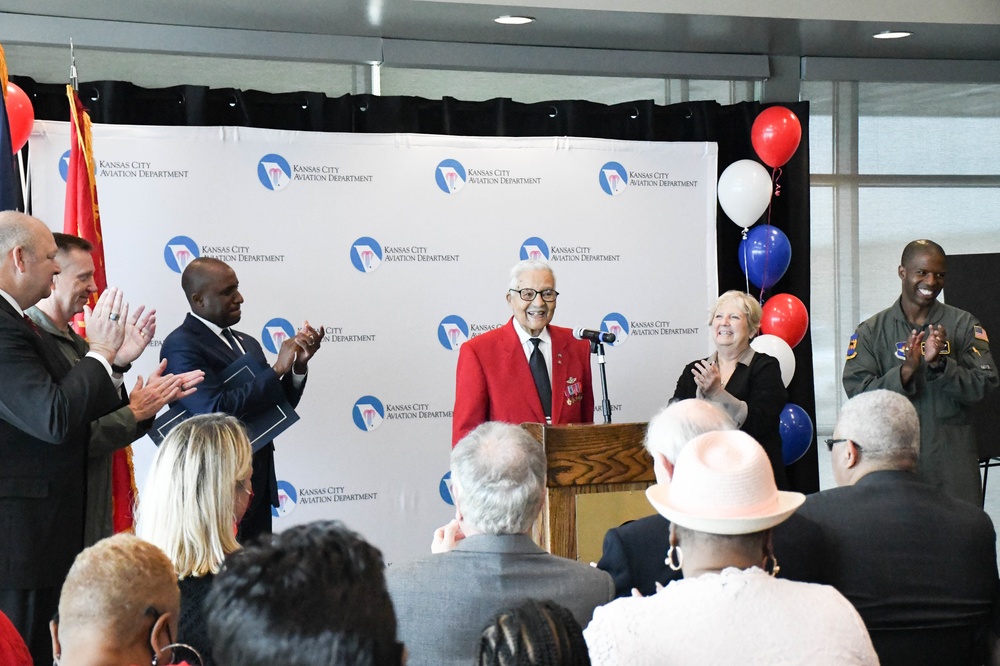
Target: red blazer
point(494, 382)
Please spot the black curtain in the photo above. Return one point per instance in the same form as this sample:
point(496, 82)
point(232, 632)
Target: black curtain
point(118, 102)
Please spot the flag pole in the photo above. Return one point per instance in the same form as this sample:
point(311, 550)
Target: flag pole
point(73, 80)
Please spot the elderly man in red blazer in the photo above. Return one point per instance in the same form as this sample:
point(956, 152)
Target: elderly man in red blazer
point(526, 370)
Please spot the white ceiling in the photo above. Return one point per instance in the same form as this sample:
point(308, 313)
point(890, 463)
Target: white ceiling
point(966, 30)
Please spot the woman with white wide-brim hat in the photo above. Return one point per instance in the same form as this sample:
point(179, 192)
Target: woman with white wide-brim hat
point(722, 503)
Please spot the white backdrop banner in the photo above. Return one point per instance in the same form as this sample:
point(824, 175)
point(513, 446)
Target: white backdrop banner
point(401, 246)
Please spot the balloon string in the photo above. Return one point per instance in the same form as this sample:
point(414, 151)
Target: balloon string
point(776, 175)
point(775, 172)
point(746, 261)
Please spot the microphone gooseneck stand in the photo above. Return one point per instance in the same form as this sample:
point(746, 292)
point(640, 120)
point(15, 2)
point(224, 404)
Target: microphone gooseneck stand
point(597, 347)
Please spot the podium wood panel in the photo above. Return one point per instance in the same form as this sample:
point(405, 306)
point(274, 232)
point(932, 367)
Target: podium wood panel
point(585, 459)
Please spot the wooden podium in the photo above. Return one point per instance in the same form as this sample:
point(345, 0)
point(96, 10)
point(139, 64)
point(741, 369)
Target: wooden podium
point(586, 459)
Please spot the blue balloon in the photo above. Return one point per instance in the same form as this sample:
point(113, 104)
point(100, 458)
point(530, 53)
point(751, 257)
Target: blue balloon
point(764, 255)
point(796, 433)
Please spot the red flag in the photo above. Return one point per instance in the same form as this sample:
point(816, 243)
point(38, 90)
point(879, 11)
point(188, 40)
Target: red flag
point(82, 218)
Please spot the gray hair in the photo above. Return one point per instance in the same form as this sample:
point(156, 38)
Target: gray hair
point(886, 427)
point(680, 422)
point(15, 231)
point(526, 265)
point(499, 470)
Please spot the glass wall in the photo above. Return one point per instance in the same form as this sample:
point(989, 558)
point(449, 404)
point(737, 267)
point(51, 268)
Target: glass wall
point(891, 163)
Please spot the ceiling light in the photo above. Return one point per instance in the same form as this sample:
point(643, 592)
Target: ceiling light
point(892, 34)
point(514, 20)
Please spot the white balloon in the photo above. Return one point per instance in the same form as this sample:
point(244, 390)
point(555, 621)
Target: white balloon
point(744, 191)
point(774, 346)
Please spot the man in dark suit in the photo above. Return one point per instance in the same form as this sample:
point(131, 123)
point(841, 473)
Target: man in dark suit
point(484, 560)
point(635, 553)
point(919, 565)
point(206, 341)
point(526, 370)
point(45, 407)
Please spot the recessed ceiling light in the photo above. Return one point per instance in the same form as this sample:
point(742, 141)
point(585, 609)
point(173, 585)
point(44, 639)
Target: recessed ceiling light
point(514, 20)
point(892, 34)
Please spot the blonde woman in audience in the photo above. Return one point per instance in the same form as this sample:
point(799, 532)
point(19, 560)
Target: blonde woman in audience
point(118, 607)
point(722, 503)
point(195, 495)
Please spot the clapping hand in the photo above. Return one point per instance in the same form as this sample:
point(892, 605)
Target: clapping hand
point(139, 331)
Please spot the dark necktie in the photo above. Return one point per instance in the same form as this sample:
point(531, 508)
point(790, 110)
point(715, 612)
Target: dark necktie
point(541, 375)
point(231, 339)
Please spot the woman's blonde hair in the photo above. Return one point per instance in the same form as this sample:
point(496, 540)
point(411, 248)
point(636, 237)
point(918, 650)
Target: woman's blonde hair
point(747, 303)
point(188, 503)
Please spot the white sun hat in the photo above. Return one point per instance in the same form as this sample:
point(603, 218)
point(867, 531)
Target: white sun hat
point(723, 484)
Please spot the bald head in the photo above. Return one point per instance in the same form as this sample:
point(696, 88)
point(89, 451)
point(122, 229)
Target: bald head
point(920, 247)
point(199, 273)
point(212, 290)
point(27, 258)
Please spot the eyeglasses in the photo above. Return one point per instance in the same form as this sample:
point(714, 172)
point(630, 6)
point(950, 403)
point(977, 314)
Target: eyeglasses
point(831, 442)
point(548, 295)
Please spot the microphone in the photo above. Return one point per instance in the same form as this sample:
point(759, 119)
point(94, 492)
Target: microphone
point(597, 336)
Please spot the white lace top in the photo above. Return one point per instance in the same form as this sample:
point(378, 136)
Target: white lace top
point(734, 617)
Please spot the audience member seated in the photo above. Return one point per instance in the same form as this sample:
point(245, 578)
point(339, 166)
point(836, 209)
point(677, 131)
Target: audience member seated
point(634, 553)
point(118, 607)
point(484, 559)
point(722, 503)
point(533, 633)
point(13, 651)
point(919, 566)
point(313, 595)
point(197, 491)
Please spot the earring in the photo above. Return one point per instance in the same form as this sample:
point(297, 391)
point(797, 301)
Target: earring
point(670, 558)
point(774, 565)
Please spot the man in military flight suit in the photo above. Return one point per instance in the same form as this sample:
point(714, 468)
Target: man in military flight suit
point(936, 355)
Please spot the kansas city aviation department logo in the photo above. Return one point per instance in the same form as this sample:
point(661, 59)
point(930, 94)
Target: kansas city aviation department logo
point(274, 172)
point(617, 324)
point(287, 499)
point(368, 413)
point(366, 254)
point(534, 248)
point(613, 178)
point(450, 176)
point(443, 489)
point(64, 166)
point(452, 332)
point(179, 252)
point(276, 332)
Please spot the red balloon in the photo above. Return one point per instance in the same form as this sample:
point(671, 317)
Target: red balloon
point(786, 317)
point(20, 116)
point(775, 135)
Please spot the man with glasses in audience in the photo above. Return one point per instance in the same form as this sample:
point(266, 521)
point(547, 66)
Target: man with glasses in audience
point(527, 370)
point(919, 565)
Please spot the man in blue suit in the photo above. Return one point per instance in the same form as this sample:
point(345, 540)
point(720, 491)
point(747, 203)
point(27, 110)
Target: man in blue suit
point(206, 341)
point(635, 553)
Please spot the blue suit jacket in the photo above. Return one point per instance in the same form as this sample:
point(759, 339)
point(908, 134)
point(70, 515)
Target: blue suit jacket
point(193, 346)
